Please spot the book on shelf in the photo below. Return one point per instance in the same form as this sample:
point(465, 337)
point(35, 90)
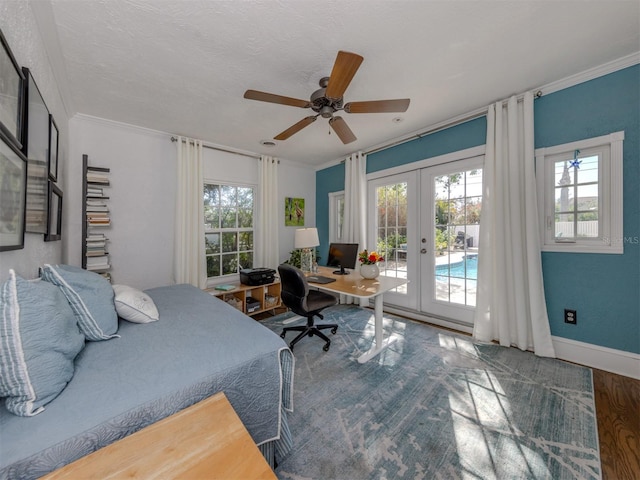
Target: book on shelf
point(97, 262)
point(225, 288)
point(96, 253)
point(93, 177)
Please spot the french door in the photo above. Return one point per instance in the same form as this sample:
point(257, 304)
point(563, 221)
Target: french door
point(427, 224)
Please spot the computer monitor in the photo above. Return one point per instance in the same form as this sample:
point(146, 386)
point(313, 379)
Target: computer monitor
point(343, 255)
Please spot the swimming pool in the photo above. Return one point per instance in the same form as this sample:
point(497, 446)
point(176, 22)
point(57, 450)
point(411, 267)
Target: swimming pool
point(468, 264)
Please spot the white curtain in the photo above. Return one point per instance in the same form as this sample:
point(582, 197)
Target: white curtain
point(355, 199)
point(354, 226)
point(189, 260)
point(266, 243)
point(510, 305)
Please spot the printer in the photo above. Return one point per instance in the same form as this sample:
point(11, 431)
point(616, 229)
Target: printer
point(257, 276)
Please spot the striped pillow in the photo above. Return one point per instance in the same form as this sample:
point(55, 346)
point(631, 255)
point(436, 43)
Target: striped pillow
point(39, 340)
point(90, 297)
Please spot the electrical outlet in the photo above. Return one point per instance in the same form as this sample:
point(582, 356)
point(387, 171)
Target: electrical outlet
point(570, 316)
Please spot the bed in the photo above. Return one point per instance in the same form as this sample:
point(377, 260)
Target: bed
point(199, 346)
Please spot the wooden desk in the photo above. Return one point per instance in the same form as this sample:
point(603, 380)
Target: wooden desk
point(206, 440)
point(357, 286)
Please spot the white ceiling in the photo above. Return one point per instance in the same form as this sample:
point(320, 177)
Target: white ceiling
point(183, 66)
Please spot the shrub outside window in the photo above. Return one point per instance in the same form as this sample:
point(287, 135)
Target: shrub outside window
point(229, 228)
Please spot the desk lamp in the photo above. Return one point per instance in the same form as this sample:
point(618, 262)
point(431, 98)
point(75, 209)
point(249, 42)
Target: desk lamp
point(306, 239)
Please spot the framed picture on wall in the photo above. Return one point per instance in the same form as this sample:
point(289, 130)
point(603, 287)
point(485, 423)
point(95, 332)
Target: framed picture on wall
point(36, 149)
point(13, 189)
point(11, 95)
point(54, 219)
point(293, 212)
point(53, 149)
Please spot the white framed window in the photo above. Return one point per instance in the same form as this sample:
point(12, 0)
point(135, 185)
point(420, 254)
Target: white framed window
point(336, 216)
point(580, 195)
point(229, 213)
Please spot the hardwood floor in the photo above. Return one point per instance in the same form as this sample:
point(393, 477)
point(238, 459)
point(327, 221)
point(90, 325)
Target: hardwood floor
point(618, 411)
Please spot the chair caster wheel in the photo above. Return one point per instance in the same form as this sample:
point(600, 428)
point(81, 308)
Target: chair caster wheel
point(334, 330)
point(326, 346)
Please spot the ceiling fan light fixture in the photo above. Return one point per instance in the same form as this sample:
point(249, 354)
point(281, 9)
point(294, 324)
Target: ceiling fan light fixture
point(328, 100)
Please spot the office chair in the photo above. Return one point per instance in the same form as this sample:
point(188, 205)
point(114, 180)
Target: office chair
point(307, 303)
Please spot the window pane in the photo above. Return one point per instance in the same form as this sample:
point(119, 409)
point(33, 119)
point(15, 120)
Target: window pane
point(245, 218)
point(587, 197)
point(246, 260)
point(228, 195)
point(211, 217)
point(588, 171)
point(564, 226)
point(229, 263)
point(212, 243)
point(563, 174)
point(213, 266)
point(229, 242)
point(228, 218)
point(211, 195)
point(246, 241)
point(564, 199)
point(245, 197)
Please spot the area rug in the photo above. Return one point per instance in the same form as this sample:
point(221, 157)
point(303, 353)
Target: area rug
point(434, 405)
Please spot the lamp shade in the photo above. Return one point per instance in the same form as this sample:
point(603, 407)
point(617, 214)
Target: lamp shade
point(306, 238)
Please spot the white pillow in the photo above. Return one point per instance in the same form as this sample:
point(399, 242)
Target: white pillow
point(134, 305)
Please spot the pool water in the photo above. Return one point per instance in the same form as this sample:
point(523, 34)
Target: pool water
point(470, 263)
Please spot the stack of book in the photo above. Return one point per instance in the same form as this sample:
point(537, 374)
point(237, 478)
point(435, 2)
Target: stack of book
point(96, 245)
point(95, 192)
point(97, 213)
point(97, 177)
point(98, 263)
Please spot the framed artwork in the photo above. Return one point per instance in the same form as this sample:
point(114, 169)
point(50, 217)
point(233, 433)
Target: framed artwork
point(36, 149)
point(11, 95)
point(13, 189)
point(53, 149)
point(293, 212)
point(54, 219)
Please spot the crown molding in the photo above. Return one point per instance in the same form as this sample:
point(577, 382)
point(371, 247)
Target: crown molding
point(567, 82)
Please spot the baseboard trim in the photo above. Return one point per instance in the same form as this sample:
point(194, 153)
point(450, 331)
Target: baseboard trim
point(595, 356)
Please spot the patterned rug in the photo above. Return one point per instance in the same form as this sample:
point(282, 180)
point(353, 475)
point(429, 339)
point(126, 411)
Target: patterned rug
point(434, 405)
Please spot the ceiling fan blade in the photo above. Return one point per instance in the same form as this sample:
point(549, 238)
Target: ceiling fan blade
point(378, 106)
point(295, 128)
point(342, 130)
point(344, 68)
point(272, 98)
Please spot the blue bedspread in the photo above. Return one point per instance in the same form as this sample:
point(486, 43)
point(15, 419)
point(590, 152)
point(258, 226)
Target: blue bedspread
point(199, 346)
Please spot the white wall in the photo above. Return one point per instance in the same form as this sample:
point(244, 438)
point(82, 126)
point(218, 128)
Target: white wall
point(142, 192)
point(142, 195)
point(21, 31)
point(298, 181)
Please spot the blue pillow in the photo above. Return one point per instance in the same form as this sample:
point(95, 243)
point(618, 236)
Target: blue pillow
point(39, 340)
point(90, 296)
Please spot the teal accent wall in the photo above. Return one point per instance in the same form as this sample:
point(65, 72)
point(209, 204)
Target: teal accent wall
point(327, 180)
point(604, 289)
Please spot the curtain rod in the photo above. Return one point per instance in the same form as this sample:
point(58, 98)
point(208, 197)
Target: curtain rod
point(175, 139)
point(447, 124)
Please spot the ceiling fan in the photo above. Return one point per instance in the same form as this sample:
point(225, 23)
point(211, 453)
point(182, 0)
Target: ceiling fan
point(328, 100)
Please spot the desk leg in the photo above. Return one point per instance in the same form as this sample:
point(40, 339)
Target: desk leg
point(380, 343)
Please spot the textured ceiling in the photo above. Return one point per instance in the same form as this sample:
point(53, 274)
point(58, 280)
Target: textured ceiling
point(182, 66)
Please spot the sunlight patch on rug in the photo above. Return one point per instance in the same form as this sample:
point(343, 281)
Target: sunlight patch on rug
point(434, 405)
